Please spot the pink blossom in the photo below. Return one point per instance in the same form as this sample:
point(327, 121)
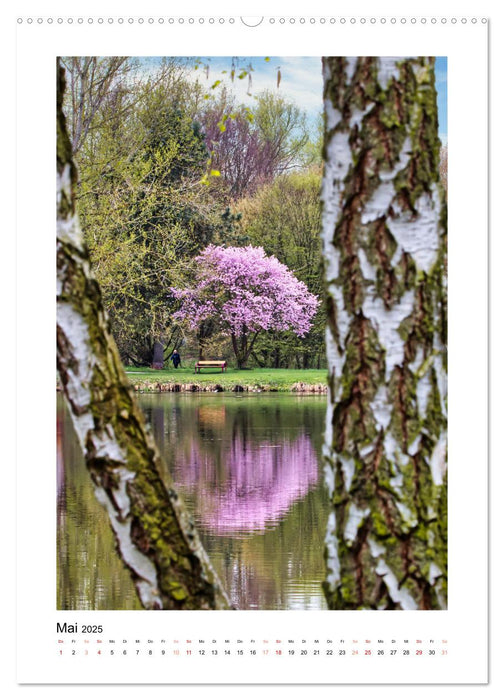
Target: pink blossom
point(244, 291)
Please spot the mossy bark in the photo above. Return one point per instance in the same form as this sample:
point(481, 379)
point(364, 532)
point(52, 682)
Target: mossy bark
point(155, 537)
point(384, 239)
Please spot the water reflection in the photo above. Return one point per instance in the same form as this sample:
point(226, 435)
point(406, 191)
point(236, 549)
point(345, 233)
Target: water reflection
point(248, 469)
point(90, 575)
point(255, 486)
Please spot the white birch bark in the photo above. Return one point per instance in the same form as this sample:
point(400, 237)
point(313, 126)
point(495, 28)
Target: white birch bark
point(156, 539)
point(384, 247)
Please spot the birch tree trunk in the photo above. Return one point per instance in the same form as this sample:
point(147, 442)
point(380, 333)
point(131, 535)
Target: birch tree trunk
point(384, 242)
point(155, 537)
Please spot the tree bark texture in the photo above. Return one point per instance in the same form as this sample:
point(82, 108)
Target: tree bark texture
point(384, 244)
point(158, 355)
point(155, 537)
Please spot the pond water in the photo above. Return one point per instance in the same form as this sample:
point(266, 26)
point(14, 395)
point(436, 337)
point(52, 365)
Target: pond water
point(248, 468)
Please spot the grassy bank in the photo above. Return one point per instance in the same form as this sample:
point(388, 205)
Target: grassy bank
point(184, 379)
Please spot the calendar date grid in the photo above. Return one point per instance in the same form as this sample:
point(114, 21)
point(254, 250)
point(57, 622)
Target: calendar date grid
point(247, 647)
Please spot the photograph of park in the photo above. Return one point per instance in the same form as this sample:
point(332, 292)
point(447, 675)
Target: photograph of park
point(252, 333)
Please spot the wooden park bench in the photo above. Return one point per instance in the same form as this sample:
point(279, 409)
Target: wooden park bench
point(210, 363)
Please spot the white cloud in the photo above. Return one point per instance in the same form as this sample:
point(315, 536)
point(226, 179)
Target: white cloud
point(301, 79)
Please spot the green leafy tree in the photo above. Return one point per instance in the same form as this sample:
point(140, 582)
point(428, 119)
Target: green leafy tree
point(144, 213)
point(284, 218)
point(282, 125)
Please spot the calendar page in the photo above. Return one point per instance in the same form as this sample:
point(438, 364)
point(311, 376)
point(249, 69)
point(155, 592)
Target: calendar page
point(271, 266)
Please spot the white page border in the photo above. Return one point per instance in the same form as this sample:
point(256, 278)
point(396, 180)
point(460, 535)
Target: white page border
point(467, 300)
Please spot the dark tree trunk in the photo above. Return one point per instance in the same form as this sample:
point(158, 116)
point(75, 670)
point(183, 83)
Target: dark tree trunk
point(205, 331)
point(155, 537)
point(158, 355)
point(384, 241)
point(243, 347)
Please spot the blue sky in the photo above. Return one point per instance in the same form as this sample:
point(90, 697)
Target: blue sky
point(442, 88)
point(301, 81)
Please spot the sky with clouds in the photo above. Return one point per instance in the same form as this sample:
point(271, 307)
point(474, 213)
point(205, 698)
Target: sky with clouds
point(301, 81)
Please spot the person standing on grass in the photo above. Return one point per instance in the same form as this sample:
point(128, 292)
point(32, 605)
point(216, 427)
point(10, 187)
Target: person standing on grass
point(175, 358)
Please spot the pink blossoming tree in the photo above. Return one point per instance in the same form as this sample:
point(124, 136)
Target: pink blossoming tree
point(243, 291)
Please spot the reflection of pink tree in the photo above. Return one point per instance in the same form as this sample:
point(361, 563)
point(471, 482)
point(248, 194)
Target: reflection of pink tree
point(255, 486)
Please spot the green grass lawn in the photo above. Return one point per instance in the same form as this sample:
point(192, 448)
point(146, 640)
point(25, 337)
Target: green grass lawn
point(280, 379)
